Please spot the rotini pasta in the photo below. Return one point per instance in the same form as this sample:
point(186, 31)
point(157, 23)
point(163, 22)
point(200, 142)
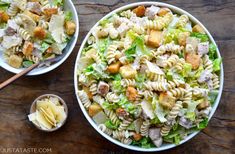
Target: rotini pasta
point(144, 129)
point(84, 98)
point(183, 20)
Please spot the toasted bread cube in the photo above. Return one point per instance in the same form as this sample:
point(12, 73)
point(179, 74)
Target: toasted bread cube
point(86, 89)
point(154, 38)
point(114, 68)
point(197, 28)
point(70, 27)
point(50, 11)
point(163, 11)
point(4, 17)
point(122, 113)
point(94, 109)
point(35, 17)
point(193, 59)
point(127, 72)
point(182, 38)
point(49, 50)
point(15, 61)
point(139, 11)
point(131, 93)
point(28, 48)
point(102, 32)
point(166, 100)
point(203, 105)
point(40, 33)
point(137, 137)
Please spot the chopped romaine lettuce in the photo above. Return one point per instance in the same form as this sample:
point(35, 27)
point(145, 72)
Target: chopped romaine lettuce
point(145, 142)
point(110, 106)
point(58, 2)
point(130, 53)
point(44, 46)
point(202, 37)
point(110, 125)
point(203, 124)
point(97, 71)
point(128, 106)
point(172, 34)
point(103, 45)
point(104, 22)
point(68, 16)
point(187, 69)
point(140, 79)
point(191, 116)
point(212, 51)
point(27, 63)
point(212, 95)
point(216, 64)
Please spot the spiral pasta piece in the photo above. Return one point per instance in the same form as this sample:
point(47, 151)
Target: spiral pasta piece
point(155, 77)
point(24, 34)
point(93, 87)
point(43, 24)
point(156, 86)
point(32, 58)
point(104, 129)
point(128, 14)
point(171, 61)
point(84, 98)
point(208, 65)
point(112, 97)
point(128, 82)
point(125, 123)
point(174, 111)
point(146, 94)
point(179, 66)
point(138, 29)
point(113, 117)
point(126, 141)
point(45, 3)
point(111, 53)
point(12, 10)
point(173, 84)
point(169, 47)
point(187, 98)
point(144, 129)
point(183, 20)
point(165, 130)
point(215, 80)
point(200, 92)
point(177, 92)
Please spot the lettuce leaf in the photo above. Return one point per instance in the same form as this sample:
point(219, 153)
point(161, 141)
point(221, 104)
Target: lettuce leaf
point(128, 106)
point(172, 34)
point(145, 142)
point(202, 37)
point(212, 95)
point(175, 136)
point(68, 16)
point(187, 69)
point(110, 106)
point(58, 2)
point(27, 63)
point(203, 124)
point(110, 125)
point(97, 71)
point(212, 51)
point(131, 53)
point(216, 64)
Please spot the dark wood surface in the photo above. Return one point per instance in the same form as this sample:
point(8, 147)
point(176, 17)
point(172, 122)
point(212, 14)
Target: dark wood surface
point(77, 136)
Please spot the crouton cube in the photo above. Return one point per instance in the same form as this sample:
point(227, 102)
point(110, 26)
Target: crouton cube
point(137, 137)
point(15, 61)
point(139, 11)
point(166, 100)
point(163, 11)
point(94, 109)
point(127, 72)
point(28, 48)
point(193, 59)
point(70, 27)
point(40, 33)
point(182, 38)
point(154, 38)
point(50, 11)
point(197, 28)
point(49, 50)
point(131, 93)
point(114, 68)
point(122, 113)
point(35, 17)
point(89, 94)
point(102, 32)
point(4, 17)
point(203, 105)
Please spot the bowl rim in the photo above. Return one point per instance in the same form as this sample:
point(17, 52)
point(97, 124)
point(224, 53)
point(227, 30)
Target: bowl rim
point(94, 125)
point(57, 64)
point(62, 102)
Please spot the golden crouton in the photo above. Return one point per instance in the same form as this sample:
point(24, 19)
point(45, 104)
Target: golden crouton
point(127, 72)
point(154, 38)
point(193, 59)
point(163, 11)
point(137, 137)
point(89, 94)
point(121, 112)
point(131, 93)
point(166, 100)
point(203, 105)
point(15, 61)
point(94, 109)
point(49, 50)
point(70, 27)
point(50, 11)
point(114, 68)
point(35, 17)
point(197, 28)
point(101, 33)
point(40, 33)
point(4, 17)
point(139, 11)
point(27, 48)
point(182, 38)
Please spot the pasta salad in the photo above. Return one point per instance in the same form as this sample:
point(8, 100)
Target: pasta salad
point(148, 76)
point(33, 31)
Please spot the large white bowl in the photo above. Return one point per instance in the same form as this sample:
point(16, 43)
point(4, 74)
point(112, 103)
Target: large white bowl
point(164, 146)
point(68, 6)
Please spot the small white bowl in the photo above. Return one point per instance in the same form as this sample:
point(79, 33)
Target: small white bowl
point(165, 146)
point(68, 5)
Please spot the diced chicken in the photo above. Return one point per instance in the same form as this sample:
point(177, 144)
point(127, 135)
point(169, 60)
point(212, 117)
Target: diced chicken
point(182, 38)
point(139, 11)
point(154, 38)
point(50, 11)
point(186, 123)
point(163, 11)
point(10, 31)
point(193, 41)
point(137, 137)
point(28, 48)
point(103, 88)
point(154, 133)
point(158, 142)
point(11, 41)
point(15, 61)
point(131, 93)
point(94, 109)
point(123, 28)
point(40, 33)
point(203, 105)
point(34, 7)
point(147, 109)
point(197, 28)
point(166, 101)
point(114, 68)
point(151, 12)
point(128, 72)
point(121, 113)
point(203, 48)
point(35, 17)
point(151, 67)
point(193, 59)
point(4, 17)
point(70, 27)
point(100, 118)
point(205, 76)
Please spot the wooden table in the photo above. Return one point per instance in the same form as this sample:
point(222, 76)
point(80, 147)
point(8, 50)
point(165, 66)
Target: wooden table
point(77, 136)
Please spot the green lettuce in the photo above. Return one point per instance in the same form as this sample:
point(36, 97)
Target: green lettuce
point(130, 53)
point(172, 34)
point(145, 142)
point(4, 6)
point(212, 95)
point(58, 2)
point(202, 37)
point(110, 125)
point(97, 71)
point(104, 22)
point(44, 47)
point(110, 106)
point(68, 15)
point(128, 106)
point(187, 69)
point(140, 79)
point(212, 51)
point(27, 63)
point(175, 136)
point(216, 64)
point(191, 116)
point(203, 124)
